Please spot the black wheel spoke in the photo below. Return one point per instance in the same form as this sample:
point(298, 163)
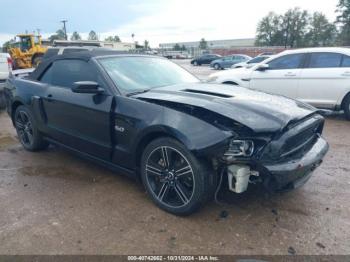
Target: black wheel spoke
point(165, 156)
point(180, 193)
point(29, 136)
point(163, 191)
point(187, 170)
point(19, 125)
point(154, 170)
point(23, 117)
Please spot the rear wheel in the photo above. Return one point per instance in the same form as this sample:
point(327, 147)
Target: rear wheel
point(176, 181)
point(27, 132)
point(195, 63)
point(346, 107)
point(217, 66)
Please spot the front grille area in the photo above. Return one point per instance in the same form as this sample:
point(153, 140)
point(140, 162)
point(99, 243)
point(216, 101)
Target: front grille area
point(295, 141)
point(299, 141)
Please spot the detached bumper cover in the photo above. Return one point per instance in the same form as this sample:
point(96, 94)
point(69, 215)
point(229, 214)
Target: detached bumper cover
point(294, 173)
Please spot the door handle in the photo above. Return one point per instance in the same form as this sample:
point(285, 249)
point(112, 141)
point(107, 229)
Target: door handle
point(49, 98)
point(290, 74)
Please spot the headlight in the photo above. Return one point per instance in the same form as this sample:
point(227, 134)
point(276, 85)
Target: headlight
point(244, 148)
point(212, 79)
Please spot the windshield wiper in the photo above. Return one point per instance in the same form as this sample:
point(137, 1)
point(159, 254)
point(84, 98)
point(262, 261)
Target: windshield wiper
point(138, 92)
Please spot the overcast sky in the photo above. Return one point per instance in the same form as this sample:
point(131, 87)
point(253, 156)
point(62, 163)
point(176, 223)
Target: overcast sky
point(158, 21)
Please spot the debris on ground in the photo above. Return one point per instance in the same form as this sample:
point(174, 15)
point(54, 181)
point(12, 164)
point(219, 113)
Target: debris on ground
point(223, 214)
point(320, 245)
point(291, 251)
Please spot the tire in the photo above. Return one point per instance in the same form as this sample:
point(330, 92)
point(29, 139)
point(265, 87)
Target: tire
point(176, 181)
point(217, 66)
point(27, 132)
point(195, 63)
point(346, 107)
point(37, 60)
point(2, 100)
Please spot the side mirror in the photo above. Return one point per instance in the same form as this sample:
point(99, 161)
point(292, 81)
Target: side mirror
point(262, 67)
point(87, 87)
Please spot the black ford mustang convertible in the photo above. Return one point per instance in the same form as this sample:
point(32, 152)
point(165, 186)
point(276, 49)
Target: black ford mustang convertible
point(149, 118)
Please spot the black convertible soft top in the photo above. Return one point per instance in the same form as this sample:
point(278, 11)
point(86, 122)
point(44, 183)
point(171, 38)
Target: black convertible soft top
point(82, 55)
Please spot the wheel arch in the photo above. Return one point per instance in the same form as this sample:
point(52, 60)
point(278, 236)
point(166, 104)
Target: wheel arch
point(152, 135)
point(342, 105)
point(230, 83)
point(14, 107)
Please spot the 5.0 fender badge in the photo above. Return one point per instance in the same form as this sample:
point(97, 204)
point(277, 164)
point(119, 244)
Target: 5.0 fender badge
point(119, 128)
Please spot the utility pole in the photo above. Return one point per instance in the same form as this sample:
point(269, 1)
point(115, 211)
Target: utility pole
point(64, 28)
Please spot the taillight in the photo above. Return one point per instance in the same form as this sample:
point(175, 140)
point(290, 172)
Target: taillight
point(10, 63)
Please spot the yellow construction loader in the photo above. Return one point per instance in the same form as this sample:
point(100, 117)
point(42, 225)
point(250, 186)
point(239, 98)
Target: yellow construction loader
point(26, 51)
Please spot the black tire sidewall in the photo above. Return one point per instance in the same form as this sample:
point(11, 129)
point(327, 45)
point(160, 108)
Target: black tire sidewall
point(200, 173)
point(2, 100)
point(347, 107)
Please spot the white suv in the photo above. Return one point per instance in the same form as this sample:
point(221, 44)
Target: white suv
point(318, 76)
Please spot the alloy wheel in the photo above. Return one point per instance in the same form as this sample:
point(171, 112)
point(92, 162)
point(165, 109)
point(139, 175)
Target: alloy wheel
point(170, 176)
point(24, 128)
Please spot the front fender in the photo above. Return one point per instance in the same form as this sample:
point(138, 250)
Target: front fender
point(198, 136)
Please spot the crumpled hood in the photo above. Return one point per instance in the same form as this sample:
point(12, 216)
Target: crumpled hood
point(256, 110)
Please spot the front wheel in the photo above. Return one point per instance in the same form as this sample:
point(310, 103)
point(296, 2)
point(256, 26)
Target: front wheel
point(195, 63)
point(217, 66)
point(176, 181)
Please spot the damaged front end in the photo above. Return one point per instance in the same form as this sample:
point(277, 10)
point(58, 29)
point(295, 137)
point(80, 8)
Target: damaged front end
point(281, 161)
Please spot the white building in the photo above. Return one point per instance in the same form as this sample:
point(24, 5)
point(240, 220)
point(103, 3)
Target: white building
point(120, 46)
point(213, 44)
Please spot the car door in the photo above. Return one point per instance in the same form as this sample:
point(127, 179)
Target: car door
point(234, 60)
point(207, 59)
point(325, 79)
point(80, 121)
point(281, 77)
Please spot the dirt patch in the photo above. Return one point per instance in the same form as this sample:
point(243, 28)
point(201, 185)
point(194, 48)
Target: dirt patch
point(7, 141)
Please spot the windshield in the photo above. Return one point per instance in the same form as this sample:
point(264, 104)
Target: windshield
point(257, 59)
point(132, 74)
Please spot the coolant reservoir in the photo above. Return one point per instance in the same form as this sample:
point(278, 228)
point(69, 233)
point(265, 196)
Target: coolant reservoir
point(238, 178)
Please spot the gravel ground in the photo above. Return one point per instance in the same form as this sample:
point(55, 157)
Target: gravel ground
point(53, 202)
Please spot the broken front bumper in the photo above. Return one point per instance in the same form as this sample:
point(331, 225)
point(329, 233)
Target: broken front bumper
point(294, 173)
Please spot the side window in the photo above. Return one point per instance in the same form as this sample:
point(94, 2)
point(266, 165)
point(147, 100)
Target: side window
point(292, 61)
point(66, 72)
point(47, 76)
point(324, 60)
point(346, 61)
